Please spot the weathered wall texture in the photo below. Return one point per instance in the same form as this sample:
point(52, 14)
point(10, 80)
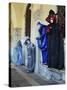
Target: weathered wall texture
point(38, 13)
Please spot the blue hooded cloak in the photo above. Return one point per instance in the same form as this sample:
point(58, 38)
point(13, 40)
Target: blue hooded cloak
point(17, 54)
point(42, 42)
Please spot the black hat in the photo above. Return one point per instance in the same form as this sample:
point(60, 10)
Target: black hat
point(51, 12)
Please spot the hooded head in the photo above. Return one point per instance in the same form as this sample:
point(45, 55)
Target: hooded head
point(27, 42)
point(51, 17)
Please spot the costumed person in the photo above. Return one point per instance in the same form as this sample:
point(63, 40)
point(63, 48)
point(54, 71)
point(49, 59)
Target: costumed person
point(24, 49)
point(53, 34)
point(31, 55)
point(42, 42)
point(17, 54)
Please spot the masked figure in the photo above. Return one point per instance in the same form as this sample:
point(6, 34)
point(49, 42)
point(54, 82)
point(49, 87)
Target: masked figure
point(55, 47)
point(17, 54)
point(42, 42)
point(31, 55)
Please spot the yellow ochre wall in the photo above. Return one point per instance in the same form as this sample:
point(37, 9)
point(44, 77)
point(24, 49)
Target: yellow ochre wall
point(17, 21)
point(38, 13)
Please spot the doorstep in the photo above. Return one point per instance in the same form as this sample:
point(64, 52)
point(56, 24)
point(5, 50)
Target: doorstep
point(52, 74)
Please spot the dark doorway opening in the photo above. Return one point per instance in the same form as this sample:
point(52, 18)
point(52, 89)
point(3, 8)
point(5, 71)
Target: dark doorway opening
point(28, 20)
point(61, 19)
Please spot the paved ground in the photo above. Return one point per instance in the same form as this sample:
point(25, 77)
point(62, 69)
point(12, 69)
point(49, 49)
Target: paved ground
point(20, 78)
point(17, 80)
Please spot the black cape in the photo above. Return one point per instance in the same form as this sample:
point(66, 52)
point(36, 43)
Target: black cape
point(55, 48)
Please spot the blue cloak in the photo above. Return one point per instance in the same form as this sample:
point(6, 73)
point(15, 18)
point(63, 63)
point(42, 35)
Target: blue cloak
point(42, 42)
point(17, 54)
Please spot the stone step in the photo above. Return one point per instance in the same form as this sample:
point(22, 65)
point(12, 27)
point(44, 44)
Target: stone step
point(52, 74)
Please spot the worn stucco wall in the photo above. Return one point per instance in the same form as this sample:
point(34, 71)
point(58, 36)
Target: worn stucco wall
point(39, 13)
point(17, 21)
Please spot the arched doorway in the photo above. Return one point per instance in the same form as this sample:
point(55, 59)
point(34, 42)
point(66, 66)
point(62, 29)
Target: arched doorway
point(28, 20)
point(61, 19)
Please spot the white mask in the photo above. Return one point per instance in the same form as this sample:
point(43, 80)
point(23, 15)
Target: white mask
point(51, 20)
